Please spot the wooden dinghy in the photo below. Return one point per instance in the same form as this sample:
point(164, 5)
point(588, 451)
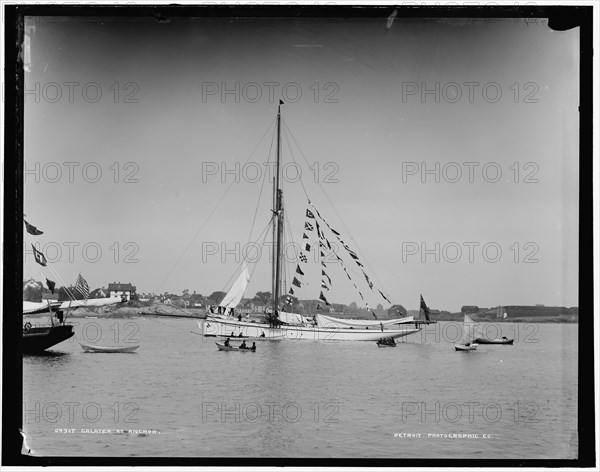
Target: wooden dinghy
point(108, 349)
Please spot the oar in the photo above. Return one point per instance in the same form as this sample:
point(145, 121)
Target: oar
point(199, 334)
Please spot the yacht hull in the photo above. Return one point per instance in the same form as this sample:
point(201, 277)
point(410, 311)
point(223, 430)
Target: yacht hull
point(225, 328)
point(39, 338)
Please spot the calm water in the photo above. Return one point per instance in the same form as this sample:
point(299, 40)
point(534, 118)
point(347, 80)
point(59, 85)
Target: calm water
point(303, 399)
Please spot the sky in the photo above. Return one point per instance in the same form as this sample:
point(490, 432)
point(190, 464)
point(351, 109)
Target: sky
point(135, 109)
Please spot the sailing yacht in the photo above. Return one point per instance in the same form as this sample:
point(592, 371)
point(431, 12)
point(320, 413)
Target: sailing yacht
point(37, 337)
point(465, 342)
point(279, 324)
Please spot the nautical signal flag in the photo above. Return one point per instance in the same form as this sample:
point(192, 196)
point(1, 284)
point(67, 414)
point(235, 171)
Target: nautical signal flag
point(51, 285)
point(303, 257)
point(39, 257)
point(322, 297)
point(298, 270)
point(304, 236)
point(307, 247)
point(309, 214)
point(32, 229)
point(296, 282)
point(82, 287)
point(386, 298)
point(291, 292)
point(308, 226)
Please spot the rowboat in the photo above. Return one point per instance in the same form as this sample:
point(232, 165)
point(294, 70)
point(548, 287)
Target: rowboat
point(503, 340)
point(88, 348)
point(222, 347)
point(465, 347)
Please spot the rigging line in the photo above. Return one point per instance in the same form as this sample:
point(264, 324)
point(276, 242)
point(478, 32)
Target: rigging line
point(263, 242)
point(261, 189)
point(243, 260)
point(285, 135)
point(210, 214)
point(334, 209)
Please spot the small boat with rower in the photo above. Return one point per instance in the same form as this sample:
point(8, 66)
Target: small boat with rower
point(386, 342)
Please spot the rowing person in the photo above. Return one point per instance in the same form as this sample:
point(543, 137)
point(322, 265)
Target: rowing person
point(253, 348)
point(227, 342)
point(243, 345)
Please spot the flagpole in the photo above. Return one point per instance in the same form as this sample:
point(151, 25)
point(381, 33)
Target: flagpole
point(277, 223)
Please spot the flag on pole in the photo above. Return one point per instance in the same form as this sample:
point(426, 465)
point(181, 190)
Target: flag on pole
point(39, 257)
point(50, 285)
point(82, 286)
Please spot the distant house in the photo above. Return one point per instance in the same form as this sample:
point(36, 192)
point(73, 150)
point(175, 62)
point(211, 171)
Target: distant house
point(99, 293)
point(117, 289)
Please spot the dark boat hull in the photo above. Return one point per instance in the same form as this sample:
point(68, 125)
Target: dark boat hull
point(493, 341)
point(38, 339)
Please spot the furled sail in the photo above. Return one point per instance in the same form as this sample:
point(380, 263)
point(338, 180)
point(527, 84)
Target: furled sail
point(92, 302)
point(30, 308)
point(330, 322)
point(293, 318)
point(237, 290)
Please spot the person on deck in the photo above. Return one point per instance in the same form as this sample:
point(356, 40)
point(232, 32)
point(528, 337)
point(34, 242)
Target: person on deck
point(227, 342)
point(243, 345)
point(239, 316)
point(240, 335)
point(262, 335)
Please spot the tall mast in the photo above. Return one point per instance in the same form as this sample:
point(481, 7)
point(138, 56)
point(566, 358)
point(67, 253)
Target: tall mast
point(277, 220)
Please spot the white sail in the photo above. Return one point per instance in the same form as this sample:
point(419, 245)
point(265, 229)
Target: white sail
point(468, 329)
point(330, 321)
point(237, 290)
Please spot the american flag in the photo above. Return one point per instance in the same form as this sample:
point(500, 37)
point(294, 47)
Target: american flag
point(82, 286)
